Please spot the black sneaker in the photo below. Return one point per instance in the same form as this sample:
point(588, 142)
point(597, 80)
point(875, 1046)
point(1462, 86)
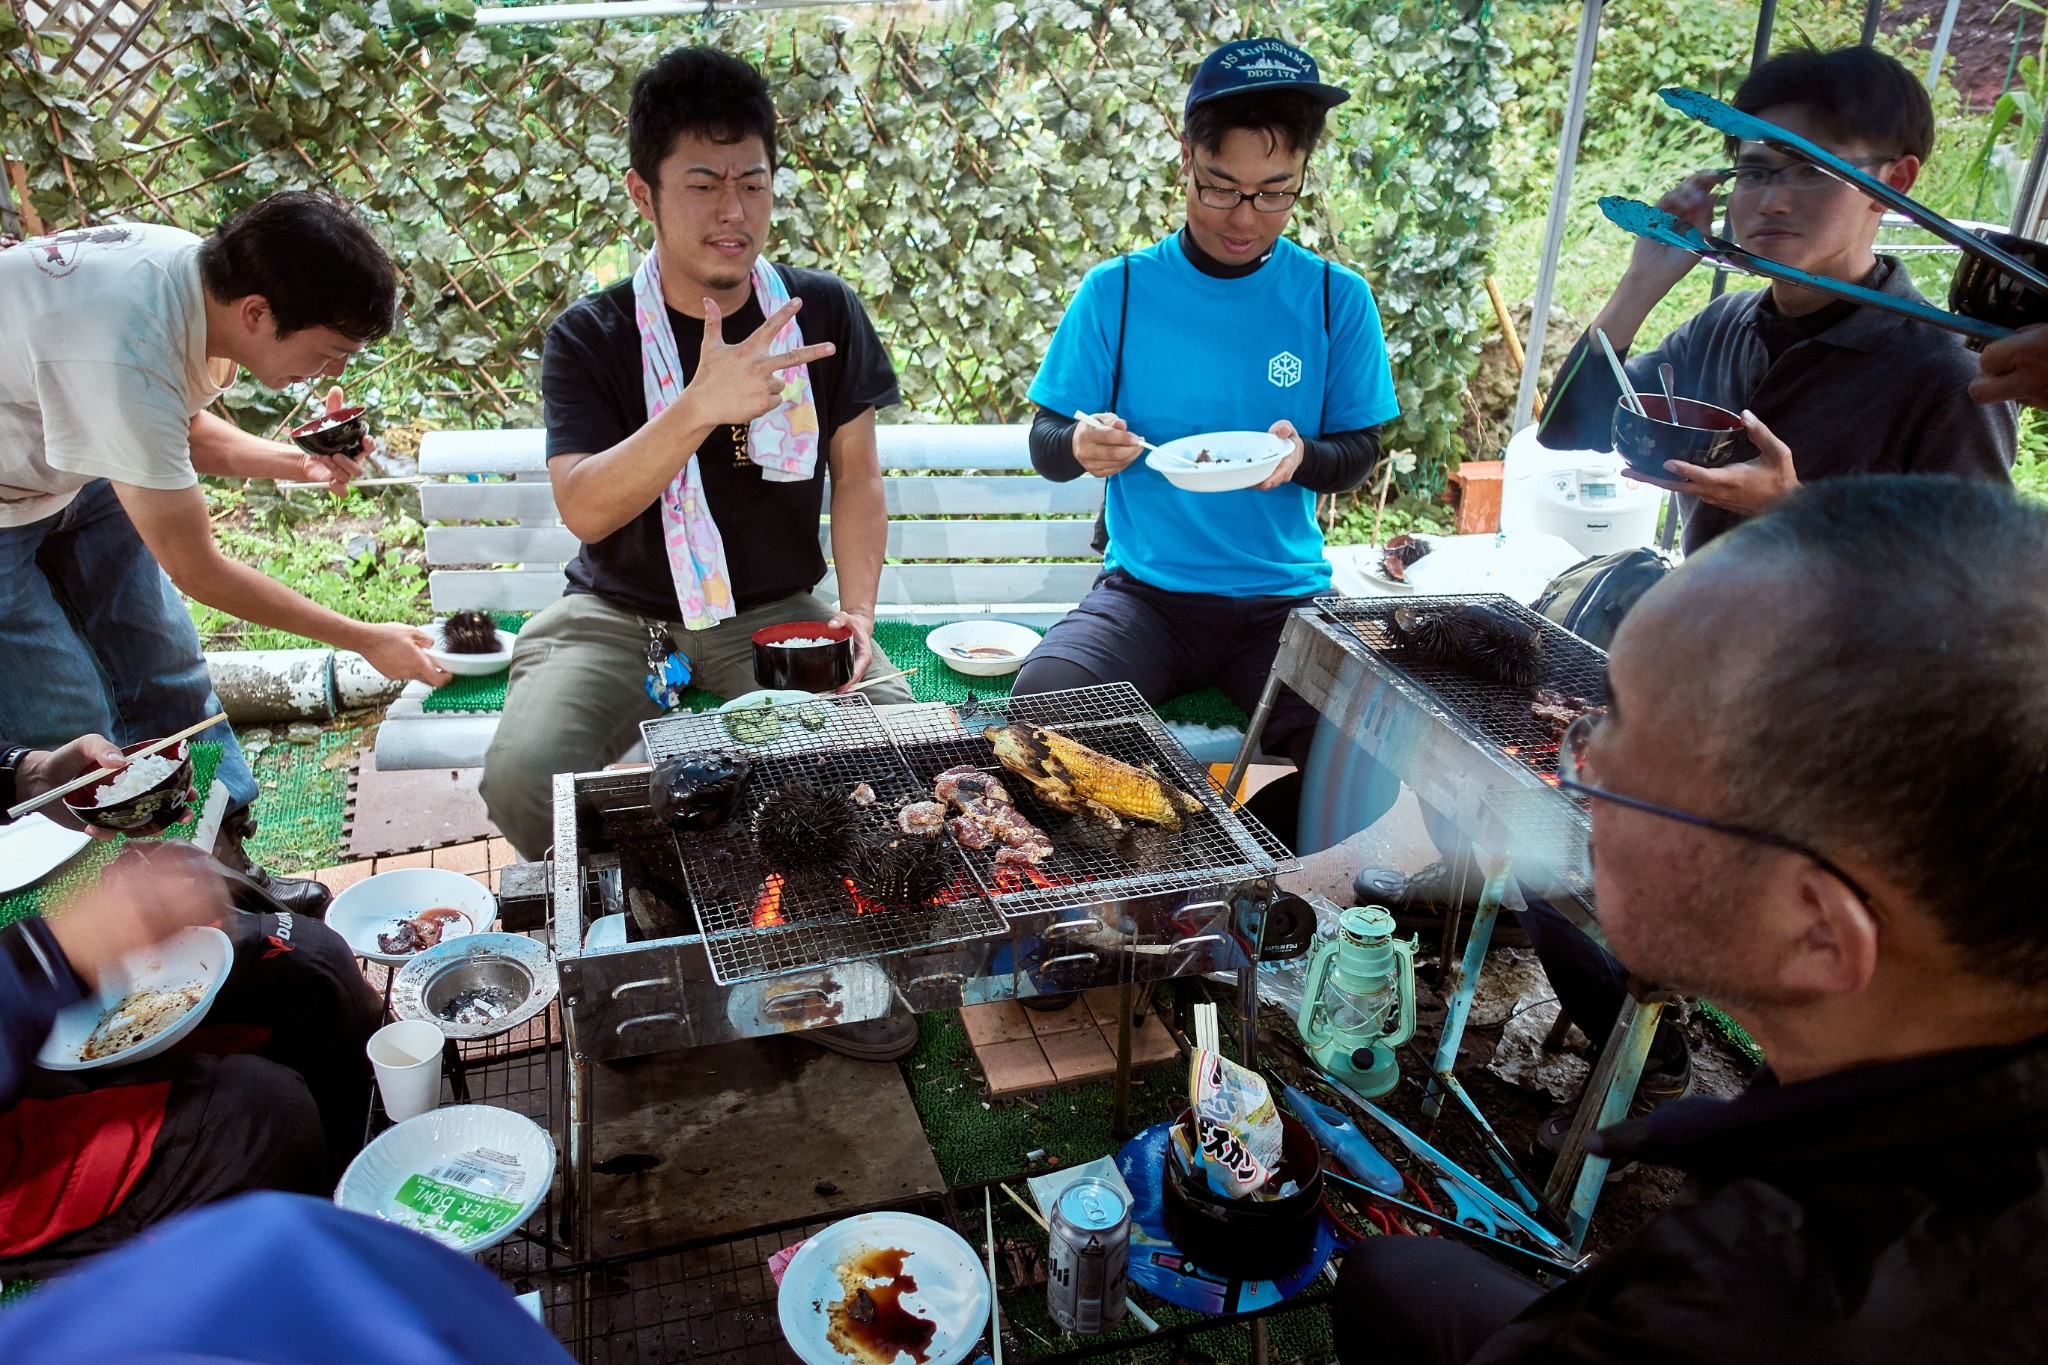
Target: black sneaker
point(1419, 901)
point(881, 1040)
point(1660, 1084)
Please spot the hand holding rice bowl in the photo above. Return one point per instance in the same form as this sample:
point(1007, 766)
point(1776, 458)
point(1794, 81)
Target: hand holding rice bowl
point(138, 795)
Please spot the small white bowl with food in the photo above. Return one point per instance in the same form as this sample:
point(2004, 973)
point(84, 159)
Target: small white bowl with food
point(470, 645)
point(144, 1005)
point(983, 649)
point(1220, 461)
point(393, 915)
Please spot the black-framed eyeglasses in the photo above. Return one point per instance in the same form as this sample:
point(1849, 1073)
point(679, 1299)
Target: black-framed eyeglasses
point(1227, 200)
point(1799, 176)
point(1571, 775)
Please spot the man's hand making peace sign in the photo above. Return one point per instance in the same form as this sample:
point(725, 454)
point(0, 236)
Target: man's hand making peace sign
point(735, 384)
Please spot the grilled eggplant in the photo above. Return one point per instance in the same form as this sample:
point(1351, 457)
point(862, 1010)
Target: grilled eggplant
point(1072, 777)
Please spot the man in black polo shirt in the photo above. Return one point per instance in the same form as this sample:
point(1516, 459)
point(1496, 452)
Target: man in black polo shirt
point(1834, 388)
point(699, 526)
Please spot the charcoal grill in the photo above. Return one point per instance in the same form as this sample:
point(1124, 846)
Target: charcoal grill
point(1473, 754)
point(1489, 712)
point(1103, 910)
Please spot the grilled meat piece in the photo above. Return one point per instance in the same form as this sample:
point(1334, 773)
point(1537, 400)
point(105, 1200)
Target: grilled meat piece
point(921, 817)
point(1075, 778)
point(969, 832)
point(862, 794)
point(1025, 853)
point(957, 784)
point(1555, 711)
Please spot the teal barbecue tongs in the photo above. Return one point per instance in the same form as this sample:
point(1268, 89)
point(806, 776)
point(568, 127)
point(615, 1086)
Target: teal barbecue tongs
point(1644, 220)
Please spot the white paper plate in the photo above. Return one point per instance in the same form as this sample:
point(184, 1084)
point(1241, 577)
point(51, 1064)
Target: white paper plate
point(376, 904)
point(33, 847)
point(198, 954)
point(952, 1285)
point(472, 665)
point(468, 1176)
point(948, 640)
point(1239, 459)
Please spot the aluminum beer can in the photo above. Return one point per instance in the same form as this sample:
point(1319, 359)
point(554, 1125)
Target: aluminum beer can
point(1091, 1254)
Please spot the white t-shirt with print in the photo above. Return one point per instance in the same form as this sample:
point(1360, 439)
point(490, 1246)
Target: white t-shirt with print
point(102, 364)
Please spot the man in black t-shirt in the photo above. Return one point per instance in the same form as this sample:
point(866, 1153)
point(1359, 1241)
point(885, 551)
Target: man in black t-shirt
point(698, 526)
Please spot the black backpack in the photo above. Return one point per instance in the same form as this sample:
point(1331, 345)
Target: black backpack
point(1590, 598)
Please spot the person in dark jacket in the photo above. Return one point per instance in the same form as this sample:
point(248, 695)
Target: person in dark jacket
point(1830, 388)
point(270, 1092)
point(1818, 801)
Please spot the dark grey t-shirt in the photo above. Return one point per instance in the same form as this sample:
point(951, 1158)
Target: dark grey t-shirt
point(593, 399)
point(1874, 393)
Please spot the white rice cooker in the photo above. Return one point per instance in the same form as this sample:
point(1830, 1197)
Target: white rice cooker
point(1578, 495)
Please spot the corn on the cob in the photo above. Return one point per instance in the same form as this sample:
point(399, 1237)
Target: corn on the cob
point(1073, 777)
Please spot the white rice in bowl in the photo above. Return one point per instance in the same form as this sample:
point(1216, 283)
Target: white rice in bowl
point(135, 779)
point(807, 642)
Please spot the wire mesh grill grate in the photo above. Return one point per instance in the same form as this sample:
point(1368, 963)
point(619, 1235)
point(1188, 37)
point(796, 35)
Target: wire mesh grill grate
point(1220, 843)
point(1498, 713)
point(758, 921)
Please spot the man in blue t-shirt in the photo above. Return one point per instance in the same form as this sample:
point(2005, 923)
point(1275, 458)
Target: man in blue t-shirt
point(1224, 326)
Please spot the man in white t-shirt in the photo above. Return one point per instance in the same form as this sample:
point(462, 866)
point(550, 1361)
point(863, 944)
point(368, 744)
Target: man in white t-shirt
point(107, 363)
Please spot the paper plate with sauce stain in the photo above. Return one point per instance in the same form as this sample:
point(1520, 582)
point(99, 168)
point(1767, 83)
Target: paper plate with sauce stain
point(884, 1289)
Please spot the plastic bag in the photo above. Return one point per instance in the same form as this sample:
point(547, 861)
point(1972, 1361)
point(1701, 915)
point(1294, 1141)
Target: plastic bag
point(1236, 1125)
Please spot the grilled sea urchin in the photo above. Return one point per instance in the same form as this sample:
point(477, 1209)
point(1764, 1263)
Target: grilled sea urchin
point(902, 871)
point(469, 632)
point(1474, 637)
point(803, 827)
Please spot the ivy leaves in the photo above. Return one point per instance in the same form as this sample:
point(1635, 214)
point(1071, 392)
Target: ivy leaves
point(963, 173)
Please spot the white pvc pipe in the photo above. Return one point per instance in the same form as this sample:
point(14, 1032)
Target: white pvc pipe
point(1560, 203)
point(264, 686)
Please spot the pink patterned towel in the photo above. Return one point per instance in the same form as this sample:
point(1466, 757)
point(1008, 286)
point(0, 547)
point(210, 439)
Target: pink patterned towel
point(784, 442)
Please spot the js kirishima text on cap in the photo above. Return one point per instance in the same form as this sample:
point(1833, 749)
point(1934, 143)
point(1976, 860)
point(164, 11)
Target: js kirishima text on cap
point(1251, 64)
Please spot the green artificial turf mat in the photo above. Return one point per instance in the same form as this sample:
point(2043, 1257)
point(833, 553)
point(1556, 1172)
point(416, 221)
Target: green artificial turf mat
point(902, 641)
point(301, 798)
point(1733, 1032)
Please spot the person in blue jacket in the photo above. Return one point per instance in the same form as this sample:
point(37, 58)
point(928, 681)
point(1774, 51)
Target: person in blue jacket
point(280, 1279)
point(1224, 325)
point(271, 1091)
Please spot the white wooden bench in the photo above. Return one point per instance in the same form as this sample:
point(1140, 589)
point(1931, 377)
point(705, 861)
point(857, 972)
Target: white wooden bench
point(943, 484)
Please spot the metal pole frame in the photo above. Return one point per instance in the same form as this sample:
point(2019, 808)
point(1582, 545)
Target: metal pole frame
point(1560, 204)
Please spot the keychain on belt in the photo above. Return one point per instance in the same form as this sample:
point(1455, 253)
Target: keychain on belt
point(668, 672)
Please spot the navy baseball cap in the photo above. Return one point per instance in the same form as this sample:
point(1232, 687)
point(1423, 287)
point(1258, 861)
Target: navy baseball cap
point(1251, 64)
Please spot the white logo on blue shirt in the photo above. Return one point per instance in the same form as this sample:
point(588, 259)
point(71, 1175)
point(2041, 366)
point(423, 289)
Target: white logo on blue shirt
point(1284, 370)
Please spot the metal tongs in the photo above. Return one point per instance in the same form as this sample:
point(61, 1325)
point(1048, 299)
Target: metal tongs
point(1647, 221)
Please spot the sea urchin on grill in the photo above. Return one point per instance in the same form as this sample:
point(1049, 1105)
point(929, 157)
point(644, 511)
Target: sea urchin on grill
point(801, 826)
point(902, 870)
point(469, 632)
point(1475, 638)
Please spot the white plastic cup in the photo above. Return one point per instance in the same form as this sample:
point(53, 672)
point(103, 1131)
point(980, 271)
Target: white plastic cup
point(407, 1059)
